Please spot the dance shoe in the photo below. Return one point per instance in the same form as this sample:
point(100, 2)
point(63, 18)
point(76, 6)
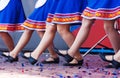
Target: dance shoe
point(67, 57)
point(51, 61)
point(32, 60)
point(102, 56)
point(4, 54)
point(11, 59)
point(74, 64)
point(23, 55)
point(116, 64)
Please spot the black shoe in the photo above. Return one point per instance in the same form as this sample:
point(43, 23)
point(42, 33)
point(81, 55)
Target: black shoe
point(32, 60)
point(116, 64)
point(109, 66)
point(55, 61)
point(23, 55)
point(103, 57)
point(67, 57)
point(11, 59)
point(60, 54)
point(72, 64)
point(4, 55)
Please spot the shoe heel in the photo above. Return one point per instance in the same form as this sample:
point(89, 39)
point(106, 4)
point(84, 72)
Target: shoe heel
point(32, 60)
point(116, 64)
point(11, 59)
point(102, 56)
point(23, 55)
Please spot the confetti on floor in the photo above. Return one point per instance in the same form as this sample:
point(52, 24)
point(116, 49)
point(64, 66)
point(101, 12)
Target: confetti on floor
point(93, 67)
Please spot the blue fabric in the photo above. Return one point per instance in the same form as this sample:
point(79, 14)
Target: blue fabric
point(13, 13)
point(95, 4)
point(66, 11)
point(66, 6)
point(74, 27)
point(54, 6)
point(40, 14)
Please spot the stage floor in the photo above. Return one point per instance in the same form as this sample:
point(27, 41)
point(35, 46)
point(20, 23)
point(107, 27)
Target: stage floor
point(93, 67)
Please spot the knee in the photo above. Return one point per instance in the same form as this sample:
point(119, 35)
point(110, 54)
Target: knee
point(109, 26)
point(27, 31)
point(62, 31)
point(51, 29)
point(87, 23)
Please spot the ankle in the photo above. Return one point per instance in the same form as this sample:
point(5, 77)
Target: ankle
point(54, 56)
point(78, 58)
point(71, 53)
point(13, 55)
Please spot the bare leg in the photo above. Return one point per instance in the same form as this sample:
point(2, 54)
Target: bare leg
point(21, 43)
point(8, 40)
point(50, 47)
point(113, 36)
point(45, 42)
point(64, 31)
point(81, 36)
point(68, 37)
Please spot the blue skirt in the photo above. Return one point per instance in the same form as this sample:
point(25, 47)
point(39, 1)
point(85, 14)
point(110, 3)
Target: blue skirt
point(102, 9)
point(12, 16)
point(66, 11)
point(37, 19)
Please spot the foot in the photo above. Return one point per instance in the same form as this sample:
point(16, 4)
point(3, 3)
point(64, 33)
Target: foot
point(11, 59)
point(116, 63)
point(109, 66)
point(25, 55)
point(61, 53)
point(4, 54)
point(74, 63)
point(67, 57)
point(32, 60)
point(107, 58)
point(51, 60)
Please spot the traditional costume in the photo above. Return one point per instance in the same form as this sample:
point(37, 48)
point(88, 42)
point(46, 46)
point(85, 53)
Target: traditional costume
point(102, 9)
point(66, 11)
point(37, 19)
point(11, 15)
